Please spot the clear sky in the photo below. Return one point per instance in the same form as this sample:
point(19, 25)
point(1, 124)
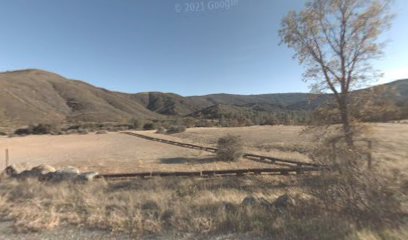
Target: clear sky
point(189, 47)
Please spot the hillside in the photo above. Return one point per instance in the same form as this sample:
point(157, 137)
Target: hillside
point(36, 96)
point(169, 103)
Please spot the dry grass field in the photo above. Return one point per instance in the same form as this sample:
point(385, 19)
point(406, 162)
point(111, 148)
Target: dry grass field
point(116, 152)
point(390, 141)
point(179, 208)
point(110, 153)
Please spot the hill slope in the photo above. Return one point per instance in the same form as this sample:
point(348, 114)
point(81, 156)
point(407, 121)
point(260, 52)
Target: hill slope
point(36, 96)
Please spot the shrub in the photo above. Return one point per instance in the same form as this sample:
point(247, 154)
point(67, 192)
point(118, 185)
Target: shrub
point(366, 196)
point(230, 148)
point(161, 130)
point(82, 131)
point(135, 123)
point(22, 131)
point(176, 129)
point(42, 129)
point(149, 126)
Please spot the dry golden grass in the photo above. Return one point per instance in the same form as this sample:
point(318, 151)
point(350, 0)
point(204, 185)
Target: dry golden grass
point(390, 141)
point(138, 207)
point(115, 152)
point(110, 153)
point(172, 206)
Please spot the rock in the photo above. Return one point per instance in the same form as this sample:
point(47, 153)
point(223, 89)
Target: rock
point(86, 177)
point(27, 174)
point(43, 169)
point(284, 201)
point(68, 174)
point(57, 177)
point(65, 174)
point(69, 169)
point(249, 201)
point(34, 172)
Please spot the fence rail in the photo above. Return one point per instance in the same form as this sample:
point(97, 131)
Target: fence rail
point(213, 173)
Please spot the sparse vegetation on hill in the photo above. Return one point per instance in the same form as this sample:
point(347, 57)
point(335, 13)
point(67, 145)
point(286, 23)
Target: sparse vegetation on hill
point(38, 129)
point(149, 126)
point(44, 97)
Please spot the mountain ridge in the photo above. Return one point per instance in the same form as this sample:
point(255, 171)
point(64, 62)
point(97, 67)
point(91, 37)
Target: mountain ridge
point(35, 96)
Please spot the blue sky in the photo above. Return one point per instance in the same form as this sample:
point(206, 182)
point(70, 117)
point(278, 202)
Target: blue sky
point(162, 45)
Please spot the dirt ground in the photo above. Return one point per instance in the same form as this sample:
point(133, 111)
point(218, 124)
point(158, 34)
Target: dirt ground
point(116, 152)
point(109, 153)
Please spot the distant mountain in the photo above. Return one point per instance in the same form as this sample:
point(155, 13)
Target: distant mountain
point(36, 96)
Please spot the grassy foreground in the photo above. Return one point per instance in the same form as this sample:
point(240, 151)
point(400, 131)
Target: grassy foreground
point(177, 206)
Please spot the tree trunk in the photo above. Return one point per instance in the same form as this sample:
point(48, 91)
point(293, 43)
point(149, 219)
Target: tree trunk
point(345, 121)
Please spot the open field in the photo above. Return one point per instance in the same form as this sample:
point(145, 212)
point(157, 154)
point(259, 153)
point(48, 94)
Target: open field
point(390, 141)
point(116, 152)
point(111, 153)
point(181, 208)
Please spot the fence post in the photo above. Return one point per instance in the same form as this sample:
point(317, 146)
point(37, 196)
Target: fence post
point(7, 157)
point(369, 157)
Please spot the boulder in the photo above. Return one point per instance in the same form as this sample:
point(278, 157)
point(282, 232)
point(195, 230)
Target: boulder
point(86, 177)
point(27, 174)
point(58, 176)
point(65, 174)
point(43, 169)
point(34, 172)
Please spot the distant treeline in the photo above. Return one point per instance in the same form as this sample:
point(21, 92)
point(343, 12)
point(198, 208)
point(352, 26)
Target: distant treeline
point(328, 114)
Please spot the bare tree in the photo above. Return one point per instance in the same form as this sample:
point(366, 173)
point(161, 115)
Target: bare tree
point(336, 40)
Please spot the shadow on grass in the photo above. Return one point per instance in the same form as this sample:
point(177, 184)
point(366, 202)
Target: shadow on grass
point(188, 160)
